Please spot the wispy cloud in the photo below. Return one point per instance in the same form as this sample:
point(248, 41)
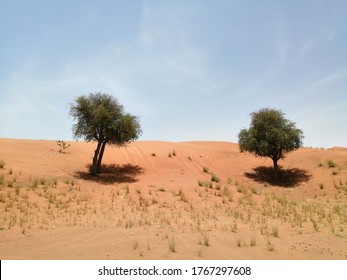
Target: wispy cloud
point(321, 38)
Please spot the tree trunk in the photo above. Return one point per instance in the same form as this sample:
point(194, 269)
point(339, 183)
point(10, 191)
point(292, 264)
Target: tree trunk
point(93, 168)
point(101, 154)
point(275, 168)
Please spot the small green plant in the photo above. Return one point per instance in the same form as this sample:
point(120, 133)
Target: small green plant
point(331, 164)
point(215, 178)
point(62, 146)
point(2, 164)
point(42, 181)
point(201, 183)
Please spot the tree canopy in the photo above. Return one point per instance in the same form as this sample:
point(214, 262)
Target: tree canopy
point(100, 117)
point(270, 135)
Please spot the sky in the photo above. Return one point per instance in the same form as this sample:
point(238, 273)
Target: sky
point(190, 70)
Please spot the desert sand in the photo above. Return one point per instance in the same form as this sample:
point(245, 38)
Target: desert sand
point(166, 200)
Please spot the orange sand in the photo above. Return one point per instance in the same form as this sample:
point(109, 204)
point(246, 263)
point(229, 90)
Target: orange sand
point(155, 201)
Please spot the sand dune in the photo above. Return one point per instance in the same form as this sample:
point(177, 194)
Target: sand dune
point(166, 200)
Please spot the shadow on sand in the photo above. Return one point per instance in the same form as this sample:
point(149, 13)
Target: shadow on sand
point(113, 173)
point(286, 177)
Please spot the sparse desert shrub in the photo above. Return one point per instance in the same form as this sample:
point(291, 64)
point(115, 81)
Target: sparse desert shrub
point(275, 231)
point(42, 181)
point(200, 183)
point(183, 196)
point(241, 189)
point(33, 184)
point(331, 164)
point(206, 240)
point(153, 155)
point(321, 186)
point(135, 245)
point(2, 164)
point(238, 242)
point(334, 172)
point(264, 230)
point(172, 245)
point(2, 198)
point(270, 246)
point(253, 242)
point(215, 178)
point(17, 190)
point(10, 183)
point(255, 191)
point(62, 146)
point(315, 225)
point(205, 169)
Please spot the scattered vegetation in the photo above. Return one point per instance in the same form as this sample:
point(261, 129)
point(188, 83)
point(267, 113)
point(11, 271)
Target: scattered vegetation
point(232, 211)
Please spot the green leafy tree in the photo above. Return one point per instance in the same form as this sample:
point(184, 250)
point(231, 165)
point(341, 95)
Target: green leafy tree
point(270, 135)
point(101, 118)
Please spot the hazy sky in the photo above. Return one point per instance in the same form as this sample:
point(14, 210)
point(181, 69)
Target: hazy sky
point(191, 70)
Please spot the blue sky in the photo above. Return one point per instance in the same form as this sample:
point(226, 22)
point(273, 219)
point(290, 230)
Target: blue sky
point(191, 70)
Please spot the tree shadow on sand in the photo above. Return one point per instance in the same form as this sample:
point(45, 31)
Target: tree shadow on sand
point(286, 177)
point(113, 173)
